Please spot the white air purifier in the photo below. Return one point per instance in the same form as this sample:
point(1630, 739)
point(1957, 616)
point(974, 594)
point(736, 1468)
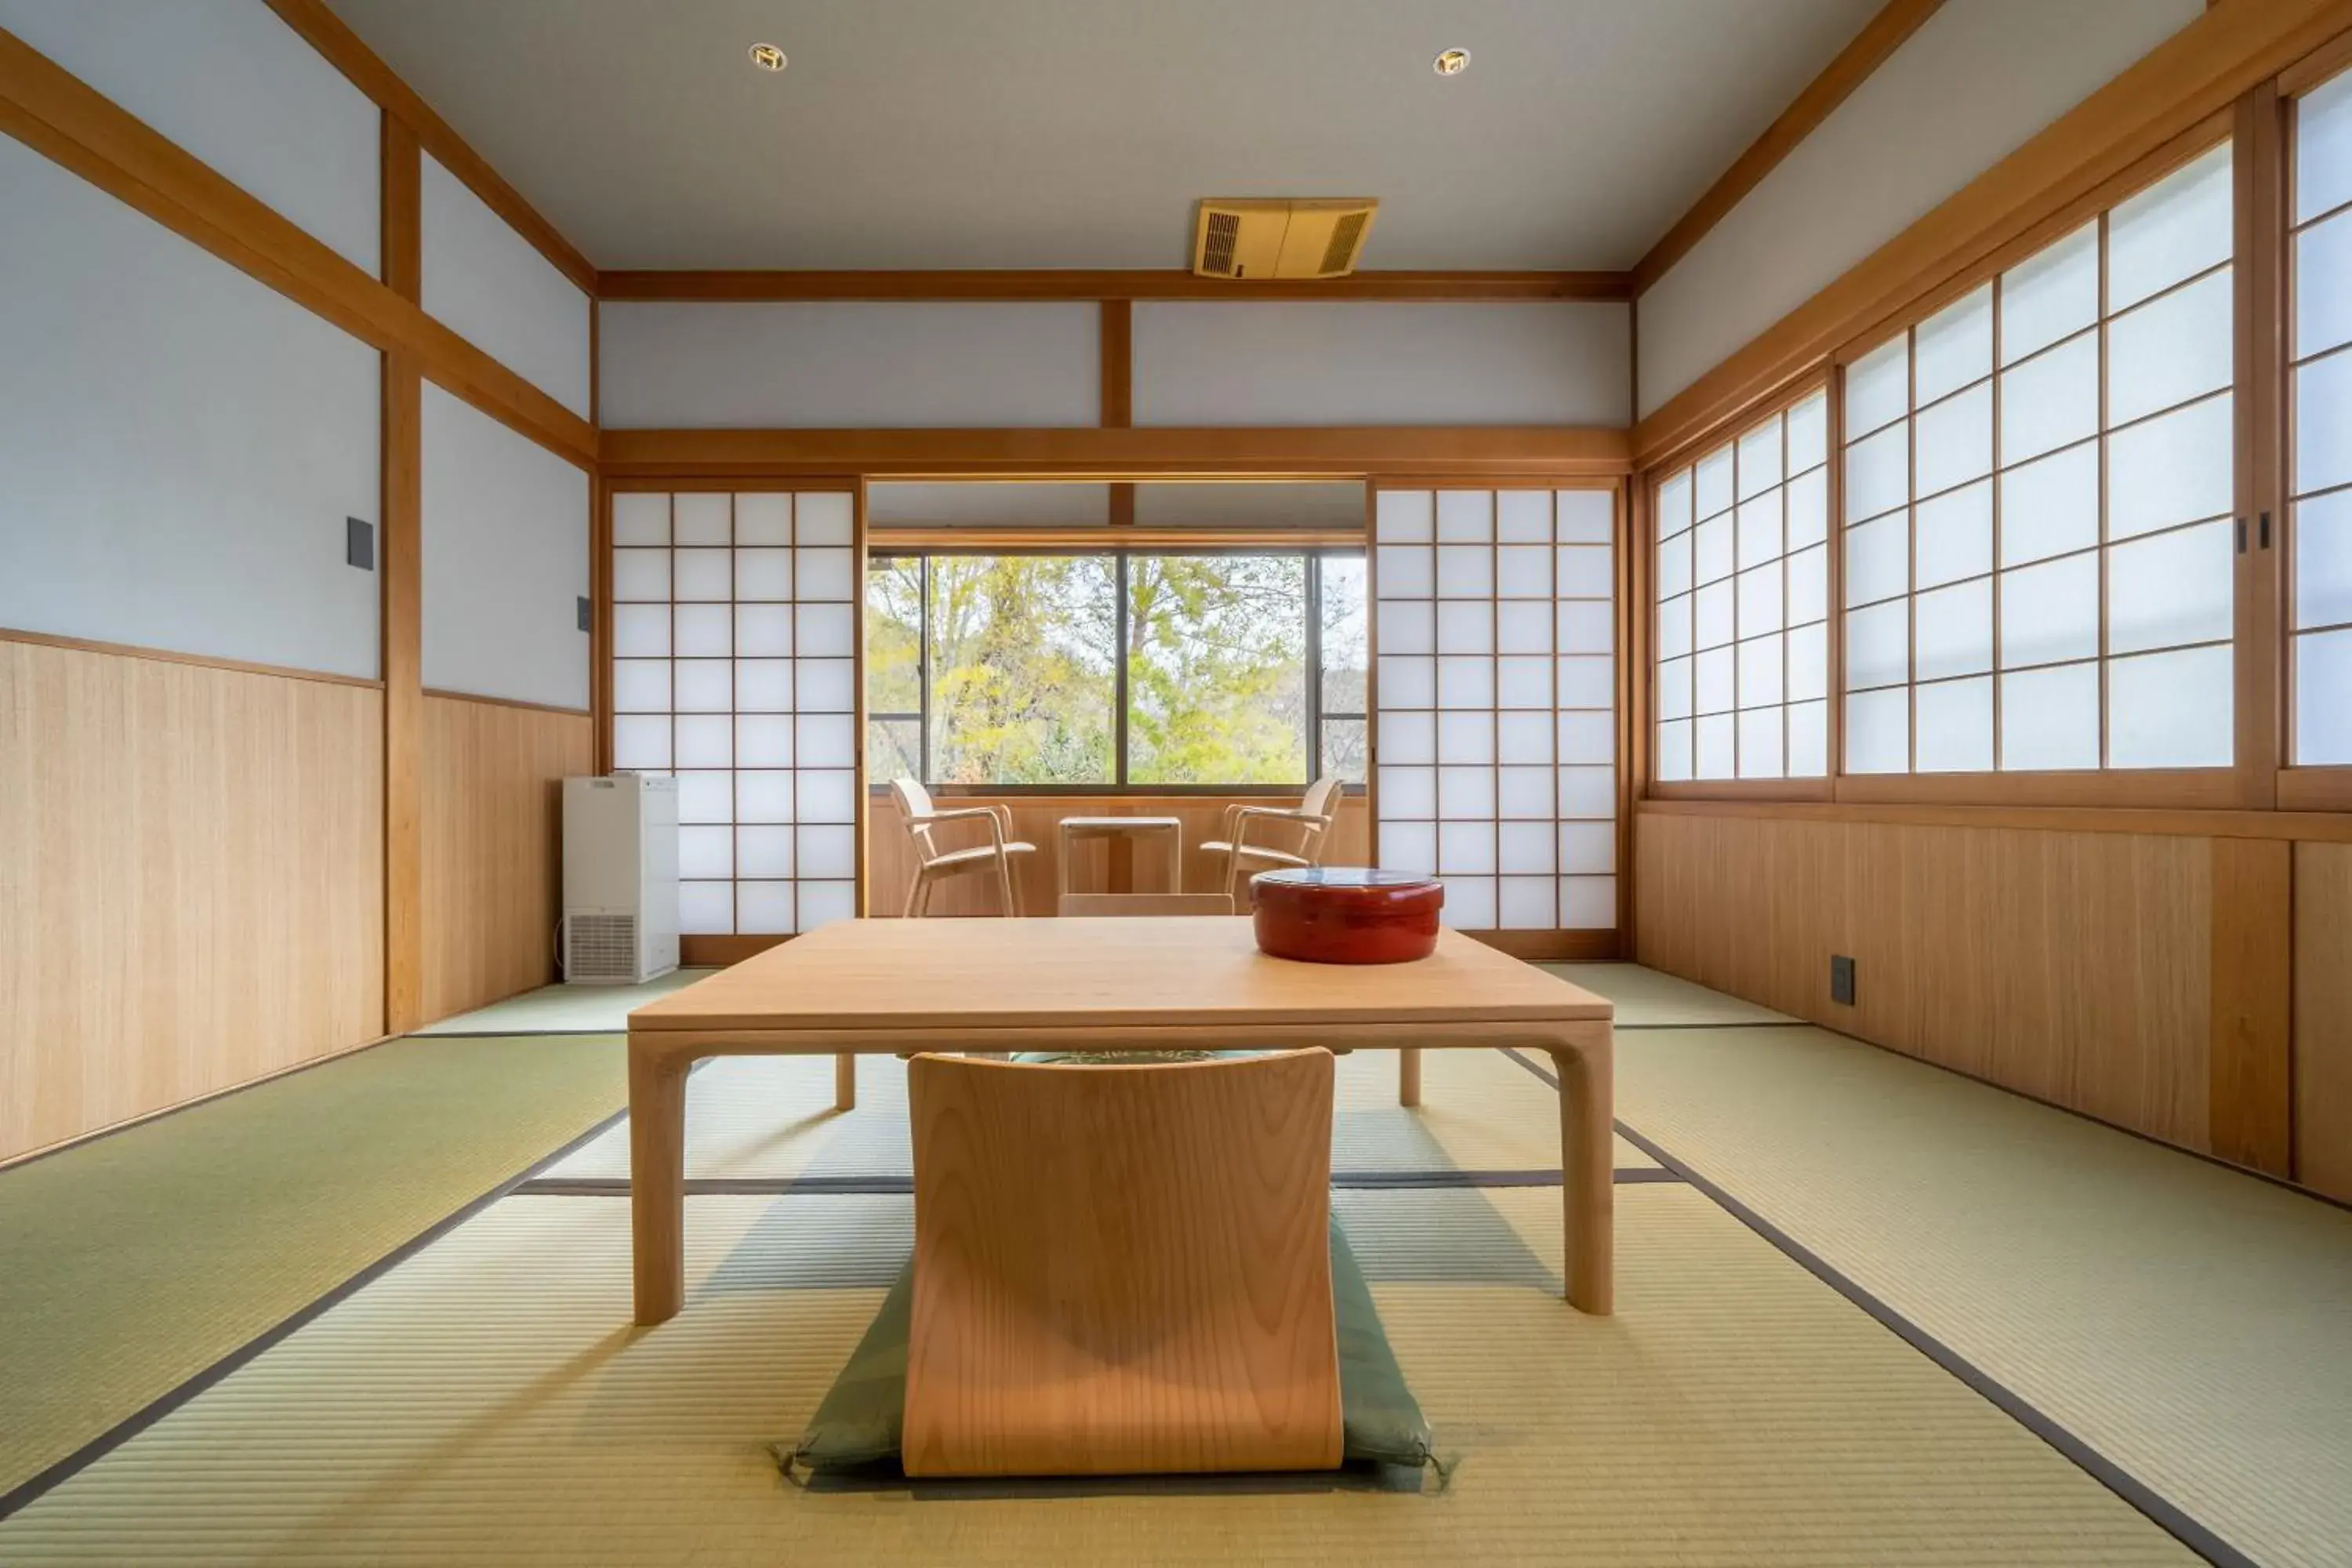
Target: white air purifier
point(619, 879)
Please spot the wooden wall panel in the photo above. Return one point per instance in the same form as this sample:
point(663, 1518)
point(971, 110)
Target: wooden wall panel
point(2071, 966)
point(2322, 1018)
point(492, 869)
point(890, 865)
point(191, 882)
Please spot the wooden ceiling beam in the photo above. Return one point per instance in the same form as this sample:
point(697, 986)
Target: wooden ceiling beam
point(1091, 453)
point(1879, 39)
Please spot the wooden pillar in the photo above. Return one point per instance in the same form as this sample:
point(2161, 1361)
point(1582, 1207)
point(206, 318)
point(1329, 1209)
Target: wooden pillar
point(399, 567)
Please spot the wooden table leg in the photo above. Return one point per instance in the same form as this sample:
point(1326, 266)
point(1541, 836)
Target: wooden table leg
point(1119, 868)
point(1587, 1163)
point(1409, 1076)
point(845, 1081)
point(657, 1182)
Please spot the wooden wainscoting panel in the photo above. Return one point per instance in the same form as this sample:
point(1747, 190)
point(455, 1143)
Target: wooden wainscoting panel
point(890, 868)
point(2071, 966)
point(2253, 982)
point(2323, 1018)
point(191, 882)
point(492, 794)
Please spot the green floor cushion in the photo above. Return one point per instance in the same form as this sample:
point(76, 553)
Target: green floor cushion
point(856, 1427)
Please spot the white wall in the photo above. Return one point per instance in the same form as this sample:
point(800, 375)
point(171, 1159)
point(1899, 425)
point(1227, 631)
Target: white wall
point(1366, 362)
point(506, 559)
point(238, 88)
point(1976, 83)
point(179, 444)
point(494, 289)
point(987, 505)
point(850, 365)
point(1336, 505)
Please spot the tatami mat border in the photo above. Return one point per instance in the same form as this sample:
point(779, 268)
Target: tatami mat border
point(821, 1187)
point(2159, 1511)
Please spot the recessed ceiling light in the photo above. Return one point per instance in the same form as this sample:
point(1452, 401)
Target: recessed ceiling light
point(1453, 62)
point(769, 58)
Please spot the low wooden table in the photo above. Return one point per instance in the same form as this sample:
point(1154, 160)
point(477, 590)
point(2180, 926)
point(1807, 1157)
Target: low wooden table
point(895, 987)
point(1118, 830)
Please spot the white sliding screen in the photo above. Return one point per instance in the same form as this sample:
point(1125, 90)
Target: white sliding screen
point(2038, 485)
point(2320, 442)
point(735, 668)
point(1495, 741)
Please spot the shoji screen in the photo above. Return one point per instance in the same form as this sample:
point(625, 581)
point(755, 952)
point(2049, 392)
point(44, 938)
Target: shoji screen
point(735, 668)
point(2320, 465)
point(1743, 604)
point(2038, 480)
point(1496, 637)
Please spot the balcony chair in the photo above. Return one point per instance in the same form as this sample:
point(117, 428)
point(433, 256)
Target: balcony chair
point(1310, 821)
point(922, 819)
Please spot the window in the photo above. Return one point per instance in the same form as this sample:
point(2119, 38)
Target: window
point(2036, 524)
point(2319, 466)
point(734, 659)
point(1743, 604)
point(1177, 669)
point(1496, 686)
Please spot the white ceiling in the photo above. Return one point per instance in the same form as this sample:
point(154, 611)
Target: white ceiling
point(1030, 134)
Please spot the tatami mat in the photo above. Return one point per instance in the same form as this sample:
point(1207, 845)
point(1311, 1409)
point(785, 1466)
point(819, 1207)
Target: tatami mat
point(484, 1403)
point(2192, 1324)
point(1653, 999)
point(566, 1009)
point(772, 1117)
point(136, 1261)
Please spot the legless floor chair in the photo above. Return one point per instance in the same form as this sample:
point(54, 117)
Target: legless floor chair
point(1121, 1269)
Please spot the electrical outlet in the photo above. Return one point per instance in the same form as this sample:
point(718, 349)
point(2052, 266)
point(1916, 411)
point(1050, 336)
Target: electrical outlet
point(1842, 980)
point(359, 543)
point(586, 614)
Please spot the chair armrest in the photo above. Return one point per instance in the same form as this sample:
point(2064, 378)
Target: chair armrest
point(996, 825)
point(1240, 816)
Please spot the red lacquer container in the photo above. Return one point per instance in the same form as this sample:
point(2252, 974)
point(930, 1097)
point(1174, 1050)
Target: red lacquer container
point(1347, 914)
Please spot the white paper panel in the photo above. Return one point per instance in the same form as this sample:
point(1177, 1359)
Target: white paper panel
point(1761, 753)
point(2323, 561)
point(2323, 146)
point(2174, 229)
point(1954, 536)
point(1953, 631)
point(2172, 589)
point(2051, 401)
point(2050, 506)
point(1877, 559)
point(1716, 747)
point(1809, 739)
point(2050, 295)
point(1955, 726)
point(2170, 709)
point(2170, 350)
point(2049, 612)
point(2174, 468)
point(1954, 441)
point(1879, 732)
point(1878, 645)
point(2323, 286)
point(1954, 346)
point(2322, 697)
point(1878, 473)
point(2050, 718)
point(2322, 425)
point(1877, 388)
point(1402, 517)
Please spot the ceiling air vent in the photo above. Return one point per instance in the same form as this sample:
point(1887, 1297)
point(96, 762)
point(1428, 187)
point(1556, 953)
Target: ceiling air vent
point(1316, 238)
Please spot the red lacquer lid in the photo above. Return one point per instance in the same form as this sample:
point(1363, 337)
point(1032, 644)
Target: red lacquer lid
point(1347, 914)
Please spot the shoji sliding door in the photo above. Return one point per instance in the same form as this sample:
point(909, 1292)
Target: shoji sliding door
point(735, 668)
point(1496, 740)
